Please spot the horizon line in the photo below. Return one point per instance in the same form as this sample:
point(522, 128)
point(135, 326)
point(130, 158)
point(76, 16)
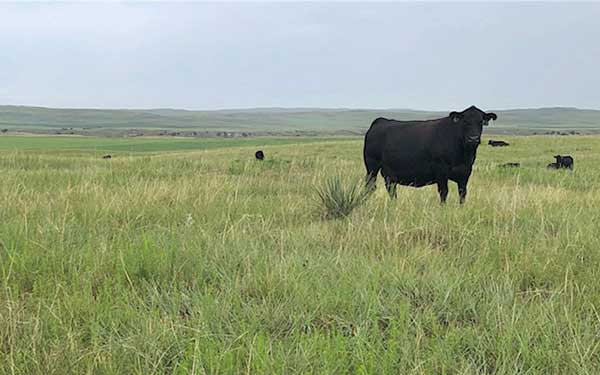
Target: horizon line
point(280, 108)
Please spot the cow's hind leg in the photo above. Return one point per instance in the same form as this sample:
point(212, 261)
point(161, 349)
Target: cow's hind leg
point(442, 186)
point(373, 166)
point(391, 187)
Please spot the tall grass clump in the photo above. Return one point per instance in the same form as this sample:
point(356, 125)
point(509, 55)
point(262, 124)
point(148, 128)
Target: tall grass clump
point(337, 198)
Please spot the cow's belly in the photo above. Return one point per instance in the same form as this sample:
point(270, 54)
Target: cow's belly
point(416, 181)
point(424, 175)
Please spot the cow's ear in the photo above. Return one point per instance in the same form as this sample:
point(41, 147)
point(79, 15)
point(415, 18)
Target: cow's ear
point(490, 116)
point(455, 116)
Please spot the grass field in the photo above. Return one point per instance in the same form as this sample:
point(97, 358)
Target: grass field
point(203, 260)
point(126, 146)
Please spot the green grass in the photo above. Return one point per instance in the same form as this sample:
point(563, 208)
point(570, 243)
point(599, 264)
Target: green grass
point(136, 145)
point(209, 261)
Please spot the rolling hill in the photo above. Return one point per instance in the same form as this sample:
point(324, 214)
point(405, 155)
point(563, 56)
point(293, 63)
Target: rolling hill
point(269, 121)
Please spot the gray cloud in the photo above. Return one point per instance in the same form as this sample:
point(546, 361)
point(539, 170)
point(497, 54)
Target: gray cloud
point(204, 55)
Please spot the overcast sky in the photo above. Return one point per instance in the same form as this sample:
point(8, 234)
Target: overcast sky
point(366, 55)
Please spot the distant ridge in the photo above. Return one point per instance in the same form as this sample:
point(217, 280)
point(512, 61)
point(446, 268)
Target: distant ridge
point(274, 120)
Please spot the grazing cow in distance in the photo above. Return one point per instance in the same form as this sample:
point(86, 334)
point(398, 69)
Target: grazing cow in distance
point(493, 143)
point(564, 161)
point(420, 153)
point(553, 166)
point(510, 165)
point(259, 155)
point(107, 157)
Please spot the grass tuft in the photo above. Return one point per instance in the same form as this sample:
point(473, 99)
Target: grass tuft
point(338, 197)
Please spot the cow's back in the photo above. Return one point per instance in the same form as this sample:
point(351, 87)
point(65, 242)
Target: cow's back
point(391, 138)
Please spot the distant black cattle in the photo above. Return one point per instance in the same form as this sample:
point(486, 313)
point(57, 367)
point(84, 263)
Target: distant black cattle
point(510, 165)
point(420, 153)
point(553, 166)
point(106, 157)
point(259, 155)
point(564, 161)
point(493, 143)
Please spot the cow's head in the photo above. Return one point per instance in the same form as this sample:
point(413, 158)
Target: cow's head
point(472, 120)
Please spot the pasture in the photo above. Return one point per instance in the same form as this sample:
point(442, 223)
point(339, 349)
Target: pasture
point(190, 256)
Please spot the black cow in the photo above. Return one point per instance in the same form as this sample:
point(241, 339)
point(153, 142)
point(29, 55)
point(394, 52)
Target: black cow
point(259, 155)
point(493, 143)
point(106, 157)
point(564, 161)
point(420, 153)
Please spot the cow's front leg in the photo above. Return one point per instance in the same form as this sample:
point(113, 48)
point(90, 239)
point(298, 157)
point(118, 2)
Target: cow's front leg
point(442, 186)
point(462, 191)
point(461, 176)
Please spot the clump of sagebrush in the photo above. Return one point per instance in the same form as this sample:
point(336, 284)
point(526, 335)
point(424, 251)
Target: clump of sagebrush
point(338, 198)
